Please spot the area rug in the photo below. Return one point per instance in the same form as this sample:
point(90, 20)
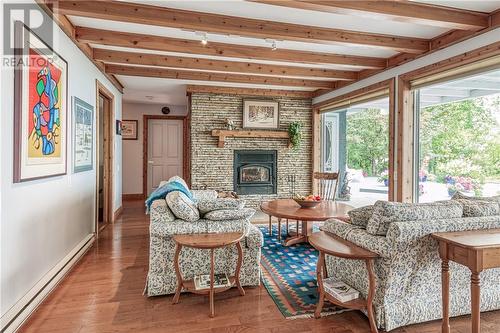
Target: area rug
point(289, 275)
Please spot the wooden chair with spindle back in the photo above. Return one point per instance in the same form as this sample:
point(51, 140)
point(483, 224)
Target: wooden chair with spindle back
point(327, 183)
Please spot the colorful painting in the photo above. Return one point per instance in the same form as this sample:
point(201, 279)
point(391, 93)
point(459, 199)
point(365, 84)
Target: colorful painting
point(260, 114)
point(129, 129)
point(83, 140)
point(40, 108)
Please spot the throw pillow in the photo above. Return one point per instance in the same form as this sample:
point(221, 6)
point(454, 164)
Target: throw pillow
point(478, 208)
point(179, 180)
point(384, 213)
point(361, 215)
point(205, 206)
point(229, 214)
point(182, 207)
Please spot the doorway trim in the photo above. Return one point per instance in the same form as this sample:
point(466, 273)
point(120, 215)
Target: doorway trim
point(186, 148)
point(108, 170)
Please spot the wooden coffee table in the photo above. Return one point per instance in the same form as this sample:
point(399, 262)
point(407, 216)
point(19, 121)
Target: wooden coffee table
point(289, 209)
point(210, 241)
point(327, 243)
point(476, 249)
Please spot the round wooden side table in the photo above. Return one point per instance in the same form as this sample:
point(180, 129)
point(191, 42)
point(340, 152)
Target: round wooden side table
point(327, 243)
point(210, 241)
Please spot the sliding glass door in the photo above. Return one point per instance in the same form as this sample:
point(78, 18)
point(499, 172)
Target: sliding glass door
point(355, 142)
point(458, 138)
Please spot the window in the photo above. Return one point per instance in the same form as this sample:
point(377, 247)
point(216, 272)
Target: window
point(458, 138)
point(355, 142)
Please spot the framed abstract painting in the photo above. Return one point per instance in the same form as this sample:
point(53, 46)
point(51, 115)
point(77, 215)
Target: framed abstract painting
point(83, 135)
point(40, 108)
point(260, 114)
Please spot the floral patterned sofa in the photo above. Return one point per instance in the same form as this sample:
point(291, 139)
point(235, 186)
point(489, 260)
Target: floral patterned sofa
point(408, 272)
point(161, 279)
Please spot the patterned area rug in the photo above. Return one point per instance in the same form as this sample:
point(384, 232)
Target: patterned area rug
point(289, 275)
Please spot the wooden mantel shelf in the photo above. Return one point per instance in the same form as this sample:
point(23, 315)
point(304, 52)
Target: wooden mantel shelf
point(223, 134)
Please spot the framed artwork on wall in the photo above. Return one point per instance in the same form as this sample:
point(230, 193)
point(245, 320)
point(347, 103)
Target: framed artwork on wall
point(260, 114)
point(83, 135)
point(129, 129)
point(40, 108)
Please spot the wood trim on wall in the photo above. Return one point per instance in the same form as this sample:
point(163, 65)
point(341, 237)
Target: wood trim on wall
point(390, 86)
point(109, 171)
point(405, 124)
point(186, 147)
point(117, 213)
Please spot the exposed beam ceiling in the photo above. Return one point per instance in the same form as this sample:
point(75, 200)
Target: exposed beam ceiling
point(217, 77)
point(223, 24)
point(141, 41)
point(404, 11)
point(133, 58)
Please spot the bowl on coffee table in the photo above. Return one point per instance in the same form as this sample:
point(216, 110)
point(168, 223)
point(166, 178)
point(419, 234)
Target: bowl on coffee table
point(307, 203)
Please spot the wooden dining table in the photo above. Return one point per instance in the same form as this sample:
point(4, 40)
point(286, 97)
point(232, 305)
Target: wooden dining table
point(289, 209)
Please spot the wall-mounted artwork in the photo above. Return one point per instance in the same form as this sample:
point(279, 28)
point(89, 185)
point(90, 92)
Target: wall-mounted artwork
point(40, 110)
point(260, 114)
point(83, 135)
point(129, 129)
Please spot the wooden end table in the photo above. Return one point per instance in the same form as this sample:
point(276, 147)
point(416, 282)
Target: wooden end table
point(327, 243)
point(210, 241)
point(476, 249)
point(289, 209)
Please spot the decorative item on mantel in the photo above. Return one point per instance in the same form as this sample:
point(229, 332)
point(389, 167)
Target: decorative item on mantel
point(229, 124)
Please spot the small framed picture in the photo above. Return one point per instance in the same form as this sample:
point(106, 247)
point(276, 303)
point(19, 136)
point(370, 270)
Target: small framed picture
point(129, 129)
point(260, 114)
point(83, 135)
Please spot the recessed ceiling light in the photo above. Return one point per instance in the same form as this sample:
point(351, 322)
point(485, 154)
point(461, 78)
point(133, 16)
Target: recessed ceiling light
point(203, 35)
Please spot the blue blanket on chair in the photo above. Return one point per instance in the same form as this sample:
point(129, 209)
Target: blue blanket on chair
point(162, 191)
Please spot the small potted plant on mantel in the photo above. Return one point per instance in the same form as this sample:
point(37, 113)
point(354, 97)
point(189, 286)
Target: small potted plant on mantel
point(295, 133)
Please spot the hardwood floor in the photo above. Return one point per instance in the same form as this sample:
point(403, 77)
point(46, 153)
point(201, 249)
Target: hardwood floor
point(103, 293)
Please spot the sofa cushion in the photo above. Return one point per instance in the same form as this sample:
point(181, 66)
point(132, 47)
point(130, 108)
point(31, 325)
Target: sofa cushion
point(205, 206)
point(182, 207)
point(230, 214)
point(160, 213)
point(478, 208)
point(360, 216)
point(384, 213)
point(459, 195)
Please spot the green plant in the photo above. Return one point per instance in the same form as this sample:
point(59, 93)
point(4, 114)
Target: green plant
point(295, 133)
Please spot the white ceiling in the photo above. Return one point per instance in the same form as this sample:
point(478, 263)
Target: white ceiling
point(169, 91)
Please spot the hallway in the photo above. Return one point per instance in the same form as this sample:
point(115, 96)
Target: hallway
point(103, 293)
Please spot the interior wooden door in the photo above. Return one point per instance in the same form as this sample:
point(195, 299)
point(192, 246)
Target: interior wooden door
point(165, 151)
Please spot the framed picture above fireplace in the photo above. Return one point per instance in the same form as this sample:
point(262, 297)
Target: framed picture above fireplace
point(261, 114)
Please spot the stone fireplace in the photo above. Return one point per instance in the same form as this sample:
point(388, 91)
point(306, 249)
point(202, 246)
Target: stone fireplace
point(255, 172)
point(217, 168)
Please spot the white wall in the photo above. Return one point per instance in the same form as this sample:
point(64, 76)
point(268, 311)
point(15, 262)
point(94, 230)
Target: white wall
point(487, 38)
point(43, 220)
point(132, 149)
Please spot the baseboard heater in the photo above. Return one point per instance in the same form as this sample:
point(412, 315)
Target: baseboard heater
point(17, 315)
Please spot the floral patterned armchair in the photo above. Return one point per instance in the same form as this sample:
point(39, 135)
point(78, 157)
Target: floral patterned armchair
point(164, 224)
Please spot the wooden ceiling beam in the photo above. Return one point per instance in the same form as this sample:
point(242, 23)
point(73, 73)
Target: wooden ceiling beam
point(168, 44)
point(231, 25)
point(402, 11)
point(216, 77)
point(247, 91)
point(67, 27)
point(134, 58)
